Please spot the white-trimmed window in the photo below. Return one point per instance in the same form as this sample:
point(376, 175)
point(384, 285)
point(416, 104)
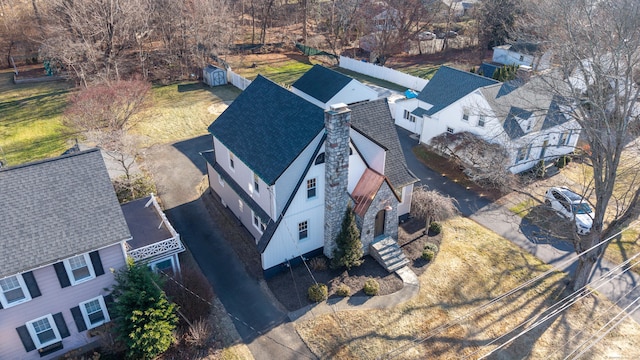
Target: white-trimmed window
point(13, 291)
point(407, 114)
point(257, 222)
point(564, 138)
point(520, 156)
point(303, 230)
point(79, 269)
point(43, 331)
point(465, 115)
point(220, 180)
point(311, 188)
point(449, 130)
point(256, 183)
point(412, 119)
point(231, 161)
point(94, 312)
point(240, 205)
point(481, 121)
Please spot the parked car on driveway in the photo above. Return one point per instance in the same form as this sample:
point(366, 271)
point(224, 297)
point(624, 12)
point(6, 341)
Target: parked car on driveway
point(572, 206)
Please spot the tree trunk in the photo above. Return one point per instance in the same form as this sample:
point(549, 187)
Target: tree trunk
point(583, 272)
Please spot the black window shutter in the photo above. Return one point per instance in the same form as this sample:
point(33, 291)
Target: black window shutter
point(110, 303)
point(31, 283)
point(61, 325)
point(97, 263)
point(62, 275)
point(27, 342)
point(77, 317)
point(1, 306)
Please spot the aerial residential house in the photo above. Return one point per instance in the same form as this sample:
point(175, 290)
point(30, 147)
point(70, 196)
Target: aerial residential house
point(288, 169)
point(63, 231)
point(323, 87)
point(526, 120)
point(523, 54)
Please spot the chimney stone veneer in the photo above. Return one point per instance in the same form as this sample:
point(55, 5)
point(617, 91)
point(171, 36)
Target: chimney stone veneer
point(336, 154)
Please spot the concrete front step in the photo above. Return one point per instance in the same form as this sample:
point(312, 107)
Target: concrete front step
point(388, 254)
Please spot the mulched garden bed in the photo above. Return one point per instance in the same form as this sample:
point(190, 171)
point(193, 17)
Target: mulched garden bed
point(290, 286)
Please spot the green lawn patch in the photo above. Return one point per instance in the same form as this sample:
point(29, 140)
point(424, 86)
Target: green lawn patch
point(31, 126)
point(424, 71)
point(523, 208)
point(284, 72)
point(182, 111)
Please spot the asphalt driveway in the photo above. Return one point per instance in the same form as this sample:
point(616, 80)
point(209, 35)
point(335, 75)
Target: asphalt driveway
point(178, 170)
point(624, 286)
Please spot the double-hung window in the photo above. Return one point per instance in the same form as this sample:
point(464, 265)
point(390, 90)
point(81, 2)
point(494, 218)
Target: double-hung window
point(13, 291)
point(407, 114)
point(303, 230)
point(258, 223)
point(43, 331)
point(94, 312)
point(465, 115)
point(481, 121)
point(79, 269)
point(311, 188)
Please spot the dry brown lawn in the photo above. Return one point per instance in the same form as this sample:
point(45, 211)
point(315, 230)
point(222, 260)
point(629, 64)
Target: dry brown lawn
point(473, 266)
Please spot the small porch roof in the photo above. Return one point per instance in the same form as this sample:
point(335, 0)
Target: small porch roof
point(366, 190)
point(146, 225)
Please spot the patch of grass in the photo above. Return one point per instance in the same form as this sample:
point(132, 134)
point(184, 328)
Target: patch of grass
point(285, 71)
point(182, 111)
point(474, 272)
point(31, 126)
point(523, 208)
point(370, 80)
point(623, 247)
point(425, 71)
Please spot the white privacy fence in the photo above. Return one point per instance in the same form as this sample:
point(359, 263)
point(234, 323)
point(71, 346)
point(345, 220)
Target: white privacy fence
point(237, 80)
point(383, 73)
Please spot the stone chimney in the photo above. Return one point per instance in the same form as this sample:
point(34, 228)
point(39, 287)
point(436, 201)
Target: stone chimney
point(337, 121)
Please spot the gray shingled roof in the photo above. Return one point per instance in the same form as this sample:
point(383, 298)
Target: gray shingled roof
point(448, 85)
point(321, 83)
point(56, 208)
point(373, 119)
point(267, 127)
point(527, 100)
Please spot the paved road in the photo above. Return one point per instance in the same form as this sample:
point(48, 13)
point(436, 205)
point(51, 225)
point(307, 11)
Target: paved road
point(520, 231)
point(178, 169)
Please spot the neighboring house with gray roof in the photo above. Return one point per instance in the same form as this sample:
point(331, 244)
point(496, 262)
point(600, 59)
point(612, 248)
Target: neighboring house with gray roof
point(323, 87)
point(62, 230)
point(287, 169)
point(523, 117)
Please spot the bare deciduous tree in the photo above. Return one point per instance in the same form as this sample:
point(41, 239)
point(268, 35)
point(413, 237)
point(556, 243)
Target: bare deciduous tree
point(108, 107)
point(484, 163)
point(432, 205)
point(596, 48)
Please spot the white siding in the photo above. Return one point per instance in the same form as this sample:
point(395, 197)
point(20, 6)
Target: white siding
point(309, 98)
point(55, 299)
point(451, 116)
point(409, 105)
point(286, 183)
point(357, 166)
point(404, 207)
point(284, 243)
point(372, 152)
point(244, 177)
point(354, 91)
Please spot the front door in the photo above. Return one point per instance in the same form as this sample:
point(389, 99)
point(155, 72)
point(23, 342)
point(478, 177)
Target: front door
point(379, 226)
